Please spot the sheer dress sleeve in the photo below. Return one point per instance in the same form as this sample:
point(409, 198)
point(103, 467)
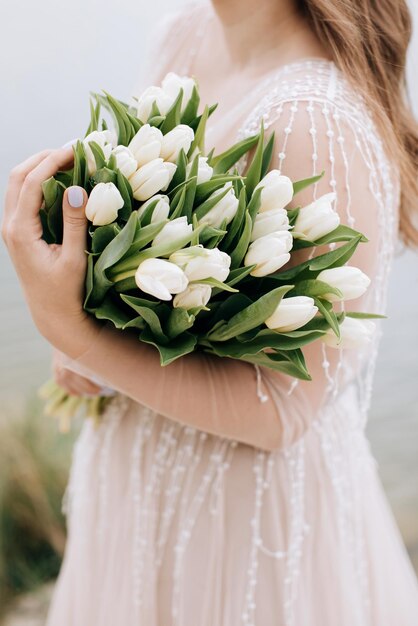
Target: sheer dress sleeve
point(233, 399)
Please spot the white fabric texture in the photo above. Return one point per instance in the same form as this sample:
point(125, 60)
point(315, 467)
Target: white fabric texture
point(194, 502)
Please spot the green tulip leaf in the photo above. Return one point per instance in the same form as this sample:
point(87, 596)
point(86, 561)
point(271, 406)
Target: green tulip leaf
point(125, 190)
point(267, 155)
point(240, 251)
point(237, 221)
point(365, 316)
point(98, 154)
point(172, 119)
point(299, 185)
point(178, 322)
point(102, 236)
point(341, 233)
point(190, 111)
point(212, 282)
point(109, 257)
point(223, 162)
point(326, 310)
point(288, 362)
point(150, 316)
point(252, 316)
point(198, 142)
point(253, 176)
point(112, 311)
point(178, 347)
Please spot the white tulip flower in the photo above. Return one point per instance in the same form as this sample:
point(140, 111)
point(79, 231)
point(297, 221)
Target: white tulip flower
point(146, 100)
point(160, 278)
point(171, 85)
point(181, 137)
point(269, 253)
point(103, 204)
point(146, 145)
point(292, 313)
point(161, 209)
point(150, 178)
point(316, 219)
point(277, 191)
point(269, 222)
point(199, 263)
point(224, 209)
point(351, 281)
point(173, 232)
point(105, 139)
point(125, 160)
point(195, 295)
point(355, 333)
point(204, 170)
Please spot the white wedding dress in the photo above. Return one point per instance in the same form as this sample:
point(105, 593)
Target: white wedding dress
point(174, 522)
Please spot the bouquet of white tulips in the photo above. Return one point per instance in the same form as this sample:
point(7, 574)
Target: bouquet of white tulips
point(189, 252)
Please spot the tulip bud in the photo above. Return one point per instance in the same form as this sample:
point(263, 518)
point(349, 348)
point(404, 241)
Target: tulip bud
point(193, 296)
point(204, 171)
point(277, 191)
point(269, 222)
point(269, 253)
point(180, 137)
point(105, 139)
point(161, 209)
point(292, 313)
point(199, 263)
point(316, 219)
point(351, 281)
point(173, 232)
point(146, 145)
point(160, 278)
point(172, 83)
point(125, 160)
point(225, 209)
point(103, 204)
point(146, 100)
point(150, 178)
point(355, 333)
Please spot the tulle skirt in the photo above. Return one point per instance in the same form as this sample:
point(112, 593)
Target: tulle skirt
point(170, 526)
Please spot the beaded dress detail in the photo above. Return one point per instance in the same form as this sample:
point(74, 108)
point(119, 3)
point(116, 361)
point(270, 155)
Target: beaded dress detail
point(172, 524)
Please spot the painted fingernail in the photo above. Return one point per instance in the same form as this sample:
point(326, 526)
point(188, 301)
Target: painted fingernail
point(70, 143)
point(75, 197)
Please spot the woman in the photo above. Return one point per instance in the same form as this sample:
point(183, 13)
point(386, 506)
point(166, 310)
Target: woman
point(214, 494)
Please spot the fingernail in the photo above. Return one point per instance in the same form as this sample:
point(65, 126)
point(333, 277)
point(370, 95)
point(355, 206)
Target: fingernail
point(75, 197)
point(70, 143)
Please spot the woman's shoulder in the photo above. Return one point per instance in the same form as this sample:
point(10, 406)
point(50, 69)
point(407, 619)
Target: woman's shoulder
point(312, 83)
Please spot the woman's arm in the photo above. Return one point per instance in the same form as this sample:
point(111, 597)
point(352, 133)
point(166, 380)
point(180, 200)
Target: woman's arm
point(215, 395)
point(220, 396)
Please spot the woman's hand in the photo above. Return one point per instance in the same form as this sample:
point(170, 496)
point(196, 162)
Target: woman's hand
point(52, 276)
point(73, 383)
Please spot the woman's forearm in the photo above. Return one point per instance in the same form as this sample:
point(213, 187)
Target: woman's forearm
point(215, 395)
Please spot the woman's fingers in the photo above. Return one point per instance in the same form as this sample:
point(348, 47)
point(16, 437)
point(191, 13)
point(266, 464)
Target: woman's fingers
point(17, 178)
point(75, 384)
point(30, 198)
point(75, 221)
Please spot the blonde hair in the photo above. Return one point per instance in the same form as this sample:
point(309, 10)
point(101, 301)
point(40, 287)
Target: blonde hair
point(368, 40)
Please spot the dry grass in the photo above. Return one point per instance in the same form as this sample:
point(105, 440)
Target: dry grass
point(34, 462)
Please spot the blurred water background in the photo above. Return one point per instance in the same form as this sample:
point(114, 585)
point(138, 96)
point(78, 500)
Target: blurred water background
point(53, 55)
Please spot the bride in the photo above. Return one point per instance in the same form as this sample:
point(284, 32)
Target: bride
point(214, 493)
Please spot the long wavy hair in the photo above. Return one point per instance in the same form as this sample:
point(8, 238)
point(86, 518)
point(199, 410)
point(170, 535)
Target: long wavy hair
point(368, 40)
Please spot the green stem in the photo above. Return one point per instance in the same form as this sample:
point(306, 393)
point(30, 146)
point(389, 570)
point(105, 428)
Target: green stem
point(116, 278)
